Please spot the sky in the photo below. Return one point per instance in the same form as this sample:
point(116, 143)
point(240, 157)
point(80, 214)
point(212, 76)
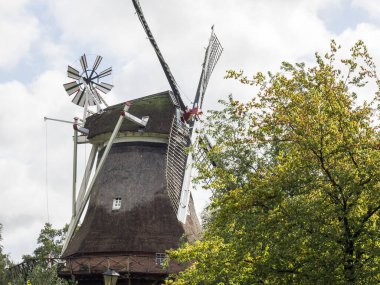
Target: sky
point(41, 37)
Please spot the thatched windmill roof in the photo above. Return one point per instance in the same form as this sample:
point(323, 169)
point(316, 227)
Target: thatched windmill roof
point(159, 107)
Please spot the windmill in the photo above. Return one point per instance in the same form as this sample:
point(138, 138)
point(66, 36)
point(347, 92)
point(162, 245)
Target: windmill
point(137, 194)
point(86, 84)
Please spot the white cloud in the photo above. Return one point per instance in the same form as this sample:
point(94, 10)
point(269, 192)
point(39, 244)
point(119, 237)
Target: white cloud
point(23, 163)
point(18, 31)
point(369, 33)
point(370, 6)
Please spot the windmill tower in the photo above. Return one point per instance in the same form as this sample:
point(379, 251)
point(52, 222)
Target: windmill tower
point(138, 196)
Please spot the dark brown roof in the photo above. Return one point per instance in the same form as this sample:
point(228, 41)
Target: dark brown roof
point(159, 107)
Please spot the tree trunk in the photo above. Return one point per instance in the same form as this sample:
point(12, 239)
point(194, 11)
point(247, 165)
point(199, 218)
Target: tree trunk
point(349, 263)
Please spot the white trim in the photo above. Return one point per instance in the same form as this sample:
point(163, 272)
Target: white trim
point(142, 139)
point(160, 258)
point(86, 176)
point(82, 139)
point(137, 139)
point(142, 122)
point(186, 184)
point(116, 204)
point(126, 137)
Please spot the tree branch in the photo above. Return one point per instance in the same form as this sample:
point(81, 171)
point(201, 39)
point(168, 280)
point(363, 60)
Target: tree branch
point(369, 214)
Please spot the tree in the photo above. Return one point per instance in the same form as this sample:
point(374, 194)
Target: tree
point(43, 276)
point(44, 271)
point(296, 186)
point(50, 242)
point(4, 262)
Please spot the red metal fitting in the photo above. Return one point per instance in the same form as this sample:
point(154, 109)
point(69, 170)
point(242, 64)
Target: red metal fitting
point(189, 113)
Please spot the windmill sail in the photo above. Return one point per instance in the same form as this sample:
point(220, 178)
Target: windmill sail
point(165, 66)
point(72, 73)
point(213, 52)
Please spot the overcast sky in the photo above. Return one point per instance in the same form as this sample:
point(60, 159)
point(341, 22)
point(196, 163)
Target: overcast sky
point(40, 37)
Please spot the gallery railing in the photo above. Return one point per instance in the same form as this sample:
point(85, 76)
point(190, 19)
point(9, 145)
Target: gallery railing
point(125, 265)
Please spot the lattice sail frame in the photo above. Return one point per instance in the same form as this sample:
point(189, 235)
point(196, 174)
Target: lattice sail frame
point(177, 157)
point(201, 152)
point(179, 141)
point(212, 54)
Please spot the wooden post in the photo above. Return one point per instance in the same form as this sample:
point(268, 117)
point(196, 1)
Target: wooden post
point(75, 169)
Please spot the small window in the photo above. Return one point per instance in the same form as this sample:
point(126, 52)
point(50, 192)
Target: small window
point(116, 204)
point(160, 258)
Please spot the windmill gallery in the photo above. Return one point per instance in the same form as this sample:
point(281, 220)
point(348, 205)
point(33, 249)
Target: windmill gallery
point(137, 176)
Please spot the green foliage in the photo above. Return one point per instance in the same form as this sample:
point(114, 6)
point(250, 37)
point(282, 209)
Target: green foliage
point(49, 245)
point(296, 187)
point(50, 242)
point(4, 262)
point(41, 276)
